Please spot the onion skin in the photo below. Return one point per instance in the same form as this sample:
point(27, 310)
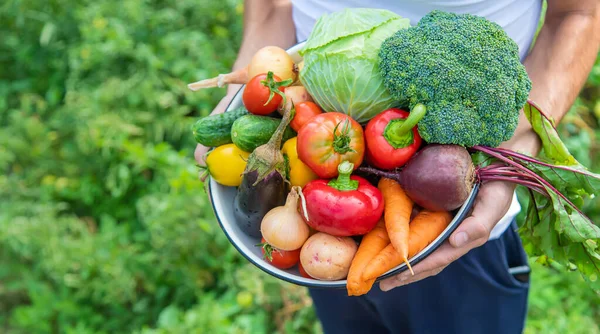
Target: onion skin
point(283, 227)
point(295, 94)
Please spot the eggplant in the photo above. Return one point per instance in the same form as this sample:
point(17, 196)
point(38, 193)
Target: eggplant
point(263, 184)
point(252, 202)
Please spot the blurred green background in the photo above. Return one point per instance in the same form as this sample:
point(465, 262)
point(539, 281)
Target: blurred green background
point(104, 226)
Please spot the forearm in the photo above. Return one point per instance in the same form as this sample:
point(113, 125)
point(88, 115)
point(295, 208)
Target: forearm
point(558, 66)
point(266, 22)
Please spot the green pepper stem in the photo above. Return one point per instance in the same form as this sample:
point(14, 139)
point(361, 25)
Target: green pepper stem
point(343, 181)
point(416, 114)
point(392, 136)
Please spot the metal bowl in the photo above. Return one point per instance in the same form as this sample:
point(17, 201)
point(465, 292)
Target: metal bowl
point(221, 198)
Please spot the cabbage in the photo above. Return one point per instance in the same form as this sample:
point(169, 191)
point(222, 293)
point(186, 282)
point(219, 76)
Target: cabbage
point(341, 70)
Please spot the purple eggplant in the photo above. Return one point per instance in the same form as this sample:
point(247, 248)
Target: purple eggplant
point(263, 184)
point(252, 202)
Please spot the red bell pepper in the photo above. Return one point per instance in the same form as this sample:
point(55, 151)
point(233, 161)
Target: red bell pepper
point(391, 140)
point(346, 206)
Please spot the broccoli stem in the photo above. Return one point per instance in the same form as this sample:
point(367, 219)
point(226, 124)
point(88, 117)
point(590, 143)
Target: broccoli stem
point(416, 114)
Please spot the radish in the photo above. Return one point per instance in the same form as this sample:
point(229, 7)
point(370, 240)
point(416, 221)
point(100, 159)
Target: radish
point(269, 58)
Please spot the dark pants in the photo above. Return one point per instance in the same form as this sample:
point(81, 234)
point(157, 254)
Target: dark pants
point(475, 294)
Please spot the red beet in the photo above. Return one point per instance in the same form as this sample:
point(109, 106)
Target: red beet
point(439, 177)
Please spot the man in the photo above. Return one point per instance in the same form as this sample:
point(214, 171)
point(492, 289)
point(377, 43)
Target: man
point(475, 292)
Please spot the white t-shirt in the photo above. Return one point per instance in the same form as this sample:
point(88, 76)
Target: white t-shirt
point(519, 18)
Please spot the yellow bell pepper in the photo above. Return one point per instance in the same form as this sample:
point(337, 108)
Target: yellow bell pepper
point(226, 164)
point(300, 174)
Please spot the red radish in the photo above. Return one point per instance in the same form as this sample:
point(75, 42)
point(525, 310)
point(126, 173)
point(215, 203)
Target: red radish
point(269, 58)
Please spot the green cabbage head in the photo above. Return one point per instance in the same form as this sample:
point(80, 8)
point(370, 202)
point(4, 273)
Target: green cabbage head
point(341, 70)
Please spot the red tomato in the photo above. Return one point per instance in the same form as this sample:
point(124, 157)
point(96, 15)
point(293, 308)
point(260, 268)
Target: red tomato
point(328, 139)
point(278, 258)
point(303, 272)
point(304, 112)
point(385, 148)
point(264, 93)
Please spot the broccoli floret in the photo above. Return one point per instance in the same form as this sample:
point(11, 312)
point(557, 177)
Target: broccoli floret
point(466, 71)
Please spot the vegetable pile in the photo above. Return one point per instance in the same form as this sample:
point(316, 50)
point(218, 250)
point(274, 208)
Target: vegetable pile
point(355, 160)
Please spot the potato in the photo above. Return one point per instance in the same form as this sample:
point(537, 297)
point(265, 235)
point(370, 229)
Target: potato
point(326, 257)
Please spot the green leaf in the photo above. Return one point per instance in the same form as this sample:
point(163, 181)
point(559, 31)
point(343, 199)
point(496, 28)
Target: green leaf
point(553, 147)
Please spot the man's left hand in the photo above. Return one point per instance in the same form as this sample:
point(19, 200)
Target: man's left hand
point(491, 204)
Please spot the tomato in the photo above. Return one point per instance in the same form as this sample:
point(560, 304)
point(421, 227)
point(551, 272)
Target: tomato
point(299, 173)
point(226, 164)
point(328, 139)
point(304, 112)
point(278, 258)
point(303, 272)
point(386, 147)
point(264, 93)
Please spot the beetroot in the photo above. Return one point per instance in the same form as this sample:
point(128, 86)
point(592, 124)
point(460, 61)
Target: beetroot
point(441, 177)
point(437, 178)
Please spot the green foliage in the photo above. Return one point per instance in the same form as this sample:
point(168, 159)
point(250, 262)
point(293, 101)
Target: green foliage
point(465, 70)
point(104, 226)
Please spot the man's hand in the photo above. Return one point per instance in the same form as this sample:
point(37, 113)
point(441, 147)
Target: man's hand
point(491, 205)
point(201, 150)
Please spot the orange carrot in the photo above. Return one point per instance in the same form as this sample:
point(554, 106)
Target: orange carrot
point(398, 208)
point(371, 244)
point(426, 226)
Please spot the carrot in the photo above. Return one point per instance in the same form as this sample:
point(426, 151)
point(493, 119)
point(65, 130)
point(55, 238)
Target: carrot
point(398, 208)
point(426, 226)
point(372, 243)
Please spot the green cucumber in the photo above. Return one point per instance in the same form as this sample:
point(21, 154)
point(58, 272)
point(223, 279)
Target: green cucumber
point(215, 130)
point(251, 131)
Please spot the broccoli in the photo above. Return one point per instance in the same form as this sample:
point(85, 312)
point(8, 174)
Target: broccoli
point(465, 70)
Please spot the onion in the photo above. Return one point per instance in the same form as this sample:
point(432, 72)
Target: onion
point(283, 227)
point(295, 94)
point(299, 67)
point(269, 58)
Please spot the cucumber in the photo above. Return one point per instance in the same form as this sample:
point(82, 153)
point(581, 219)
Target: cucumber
point(215, 130)
point(251, 131)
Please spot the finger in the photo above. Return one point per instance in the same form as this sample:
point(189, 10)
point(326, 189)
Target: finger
point(200, 154)
point(492, 203)
point(400, 280)
point(432, 265)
